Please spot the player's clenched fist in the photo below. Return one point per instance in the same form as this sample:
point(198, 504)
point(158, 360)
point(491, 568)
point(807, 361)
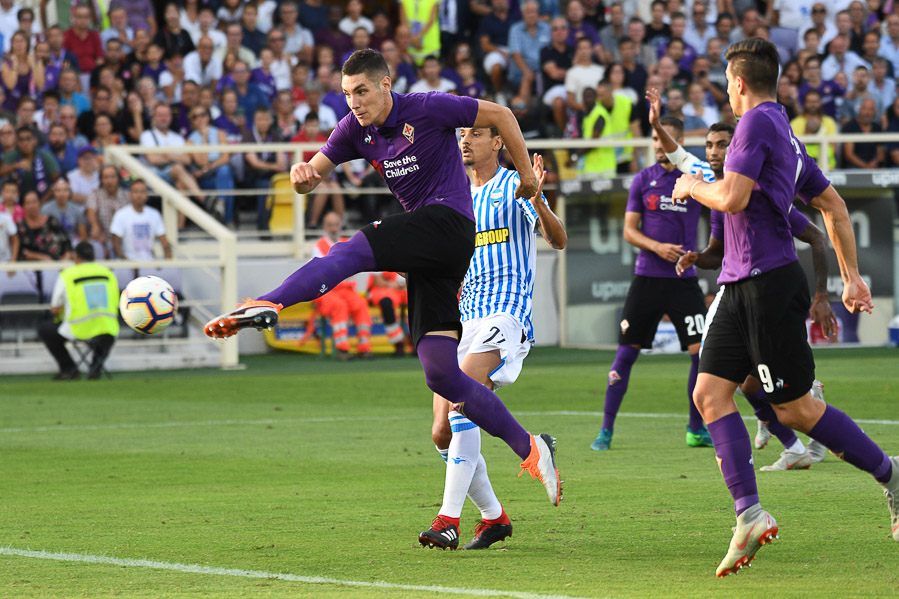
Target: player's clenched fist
point(303, 177)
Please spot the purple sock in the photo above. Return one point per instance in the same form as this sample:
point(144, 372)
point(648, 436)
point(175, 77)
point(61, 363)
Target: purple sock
point(695, 416)
point(841, 435)
point(616, 387)
point(481, 405)
point(735, 459)
point(765, 413)
point(319, 275)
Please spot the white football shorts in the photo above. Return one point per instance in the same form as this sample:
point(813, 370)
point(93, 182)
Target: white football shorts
point(498, 331)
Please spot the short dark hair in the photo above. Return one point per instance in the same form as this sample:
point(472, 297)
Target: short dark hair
point(673, 122)
point(311, 116)
point(10, 181)
point(368, 62)
point(757, 62)
point(722, 16)
point(721, 127)
point(85, 251)
point(141, 181)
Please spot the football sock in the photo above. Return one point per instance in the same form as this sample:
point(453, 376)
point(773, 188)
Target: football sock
point(841, 435)
point(695, 416)
point(479, 404)
point(734, 453)
point(320, 275)
point(797, 447)
point(443, 452)
point(765, 413)
point(464, 449)
point(482, 495)
point(616, 387)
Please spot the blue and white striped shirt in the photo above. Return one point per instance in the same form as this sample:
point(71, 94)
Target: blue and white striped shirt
point(500, 278)
point(688, 163)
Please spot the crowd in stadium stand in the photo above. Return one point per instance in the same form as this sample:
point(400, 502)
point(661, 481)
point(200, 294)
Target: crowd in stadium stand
point(76, 79)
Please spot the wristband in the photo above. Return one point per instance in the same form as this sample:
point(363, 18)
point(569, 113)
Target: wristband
point(691, 189)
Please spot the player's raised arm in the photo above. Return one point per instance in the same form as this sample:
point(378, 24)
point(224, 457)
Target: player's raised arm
point(494, 115)
point(856, 295)
point(551, 226)
point(669, 144)
point(305, 176)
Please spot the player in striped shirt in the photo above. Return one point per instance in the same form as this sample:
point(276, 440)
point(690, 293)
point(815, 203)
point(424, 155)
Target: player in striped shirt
point(497, 332)
point(795, 455)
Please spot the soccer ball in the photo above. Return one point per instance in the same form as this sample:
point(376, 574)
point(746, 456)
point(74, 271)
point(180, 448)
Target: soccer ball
point(148, 304)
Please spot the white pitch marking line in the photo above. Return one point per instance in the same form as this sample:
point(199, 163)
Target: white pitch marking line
point(239, 573)
point(267, 421)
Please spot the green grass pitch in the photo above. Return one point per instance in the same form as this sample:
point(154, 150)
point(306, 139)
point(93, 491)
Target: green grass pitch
point(323, 470)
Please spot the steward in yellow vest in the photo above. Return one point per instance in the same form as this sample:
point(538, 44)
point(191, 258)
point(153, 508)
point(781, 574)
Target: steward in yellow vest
point(615, 112)
point(85, 299)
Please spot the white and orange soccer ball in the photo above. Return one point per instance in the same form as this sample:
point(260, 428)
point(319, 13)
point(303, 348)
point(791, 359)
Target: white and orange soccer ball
point(148, 304)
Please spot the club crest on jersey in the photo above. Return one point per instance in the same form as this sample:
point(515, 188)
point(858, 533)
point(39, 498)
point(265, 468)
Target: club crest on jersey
point(409, 132)
point(496, 197)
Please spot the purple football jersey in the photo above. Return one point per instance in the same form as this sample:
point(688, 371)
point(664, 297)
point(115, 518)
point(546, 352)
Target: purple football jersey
point(758, 239)
point(415, 150)
point(662, 218)
point(798, 223)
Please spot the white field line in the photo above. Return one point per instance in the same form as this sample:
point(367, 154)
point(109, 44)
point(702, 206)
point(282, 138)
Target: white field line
point(239, 573)
point(321, 419)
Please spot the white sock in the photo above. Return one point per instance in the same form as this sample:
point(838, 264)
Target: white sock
point(481, 493)
point(443, 452)
point(464, 449)
point(796, 447)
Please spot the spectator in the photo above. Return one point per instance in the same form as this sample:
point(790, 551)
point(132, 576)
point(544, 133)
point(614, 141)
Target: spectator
point(298, 40)
point(34, 168)
point(355, 19)
point(102, 204)
point(337, 40)
point(334, 98)
point(171, 80)
point(84, 307)
point(856, 94)
point(658, 32)
point(328, 189)
point(812, 121)
point(86, 178)
point(252, 38)
point(792, 72)
point(470, 86)
point(104, 135)
point(171, 167)
point(136, 117)
point(201, 66)
point(421, 20)
point(611, 33)
point(59, 56)
point(594, 13)
point(748, 24)
point(715, 95)
point(889, 43)
point(314, 15)
point(234, 35)
point(229, 13)
point(493, 36)
point(361, 41)
point(68, 94)
point(830, 91)
point(172, 38)
point(583, 74)
point(635, 75)
point(823, 25)
point(788, 97)
point(82, 42)
point(9, 237)
point(136, 227)
point(326, 116)
point(114, 59)
point(69, 214)
point(578, 27)
point(699, 32)
point(262, 165)
point(249, 96)
point(871, 46)
point(62, 149)
point(7, 137)
point(231, 122)
point(431, 80)
point(645, 54)
point(282, 62)
point(9, 22)
point(207, 28)
point(611, 118)
point(285, 123)
point(402, 75)
point(190, 17)
point(212, 170)
point(857, 29)
point(141, 14)
point(20, 72)
point(100, 104)
point(118, 29)
point(697, 105)
point(864, 155)
point(526, 39)
point(556, 59)
point(262, 75)
point(616, 76)
point(383, 31)
point(9, 202)
point(137, 58)
point(840, 59)
point(41, 237)
point(671, 74)
point(810, 43)
point(882, 86)
point(25, 113)
point(677, 51)
point(693, 125)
